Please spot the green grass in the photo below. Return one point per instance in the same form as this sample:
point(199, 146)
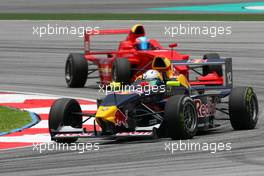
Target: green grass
point(12, 118)
point(105, 16)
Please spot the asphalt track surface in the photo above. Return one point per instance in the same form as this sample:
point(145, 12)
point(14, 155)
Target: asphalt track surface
point(33, 64)
point(100, 6)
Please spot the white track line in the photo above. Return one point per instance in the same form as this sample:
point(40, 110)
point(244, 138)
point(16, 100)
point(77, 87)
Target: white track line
point(20, 98)
point(46, 95)
point(27, 138)
point(91, 107)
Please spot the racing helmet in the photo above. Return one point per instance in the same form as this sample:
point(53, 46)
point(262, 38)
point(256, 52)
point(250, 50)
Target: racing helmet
point(142, 43)
point(153, 77)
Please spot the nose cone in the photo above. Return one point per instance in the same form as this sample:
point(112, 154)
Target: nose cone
point(106, 113)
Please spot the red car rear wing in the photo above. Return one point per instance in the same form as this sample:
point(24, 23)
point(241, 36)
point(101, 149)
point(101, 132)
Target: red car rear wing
point(132, 33)
point(226, 62)
point(87, 40)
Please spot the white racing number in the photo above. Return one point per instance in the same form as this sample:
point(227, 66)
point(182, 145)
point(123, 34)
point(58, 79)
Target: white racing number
point(229, 77)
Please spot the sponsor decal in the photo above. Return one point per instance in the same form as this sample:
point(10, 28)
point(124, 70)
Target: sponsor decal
point(197, 60)
point(204, 110)
point(133, 133)
point(120, 118)
point(104, 108)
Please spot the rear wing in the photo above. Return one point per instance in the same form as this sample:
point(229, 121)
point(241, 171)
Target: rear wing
point(135, 31)
point(87, 38)
point(227, 72)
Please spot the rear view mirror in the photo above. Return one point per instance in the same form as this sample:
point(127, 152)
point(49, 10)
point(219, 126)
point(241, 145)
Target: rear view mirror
point(173, 45)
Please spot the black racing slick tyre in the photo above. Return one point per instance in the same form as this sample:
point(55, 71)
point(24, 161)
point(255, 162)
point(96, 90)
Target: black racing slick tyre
point(62, 114)
point(76, 70)
point(181, 117)
point(212, 68)
point(121, 70)
point(243, 108)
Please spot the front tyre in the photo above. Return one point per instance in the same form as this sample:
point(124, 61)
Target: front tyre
point(243, 108)
point(63, 113)
point(76, 70)
point(181, 117)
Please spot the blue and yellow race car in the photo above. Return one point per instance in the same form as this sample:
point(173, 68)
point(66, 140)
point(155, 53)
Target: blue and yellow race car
point(162, 103)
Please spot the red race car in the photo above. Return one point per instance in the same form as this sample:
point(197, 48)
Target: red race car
point(134, 55)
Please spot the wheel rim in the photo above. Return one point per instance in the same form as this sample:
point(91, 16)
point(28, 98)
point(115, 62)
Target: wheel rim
point(190, 120)
point(68, 74)
point(252, 107)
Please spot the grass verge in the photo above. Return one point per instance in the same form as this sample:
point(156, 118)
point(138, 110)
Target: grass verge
point(12, 118)
point(105, 16)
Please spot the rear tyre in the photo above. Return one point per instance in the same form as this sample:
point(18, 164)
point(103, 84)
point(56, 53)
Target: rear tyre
point(181, 117)
point(76, 70)
point(243, 108)
point(61, 114)
point(212, 68)
point(121, 71)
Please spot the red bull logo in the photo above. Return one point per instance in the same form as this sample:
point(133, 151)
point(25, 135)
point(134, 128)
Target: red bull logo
point(120, 118)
